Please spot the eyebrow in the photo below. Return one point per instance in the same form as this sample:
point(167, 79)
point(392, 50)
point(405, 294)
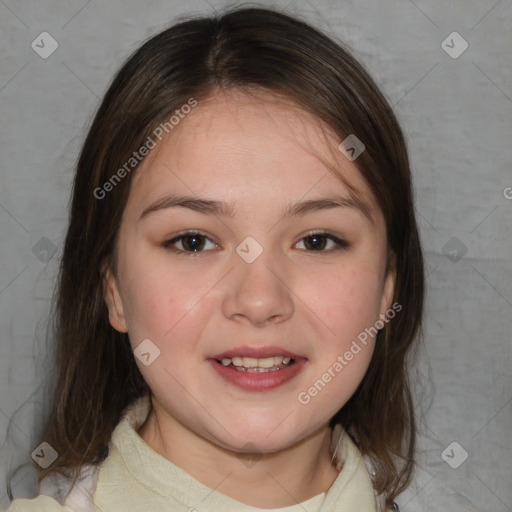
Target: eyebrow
point(214, 207)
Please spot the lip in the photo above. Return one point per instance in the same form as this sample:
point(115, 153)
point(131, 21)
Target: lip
point(257, 352)
point(264, 381)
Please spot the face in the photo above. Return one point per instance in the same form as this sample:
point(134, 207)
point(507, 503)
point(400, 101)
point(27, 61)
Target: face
point(250, 268)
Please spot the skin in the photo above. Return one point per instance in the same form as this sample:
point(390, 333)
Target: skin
point(262, 155)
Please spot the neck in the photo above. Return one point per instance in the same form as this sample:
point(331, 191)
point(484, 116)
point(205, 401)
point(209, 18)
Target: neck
point(272, 480)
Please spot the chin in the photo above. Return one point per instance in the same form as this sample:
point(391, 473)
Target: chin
point(263, 435)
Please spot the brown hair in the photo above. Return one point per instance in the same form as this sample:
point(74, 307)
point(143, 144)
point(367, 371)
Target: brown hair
point(246, 49)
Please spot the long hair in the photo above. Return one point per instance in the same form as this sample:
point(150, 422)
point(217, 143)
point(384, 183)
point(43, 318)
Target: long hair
point(246, 49)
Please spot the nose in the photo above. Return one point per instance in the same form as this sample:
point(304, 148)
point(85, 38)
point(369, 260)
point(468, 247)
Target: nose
point(258, 293)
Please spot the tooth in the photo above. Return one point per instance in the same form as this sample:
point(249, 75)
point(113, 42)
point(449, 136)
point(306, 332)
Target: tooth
point(250, 362)
point(266, 362)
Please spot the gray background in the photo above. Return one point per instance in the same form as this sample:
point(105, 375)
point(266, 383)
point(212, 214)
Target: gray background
point(456, 113)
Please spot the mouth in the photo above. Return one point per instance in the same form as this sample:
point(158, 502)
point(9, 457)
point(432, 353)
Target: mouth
point(257, 365)
point(257, 369)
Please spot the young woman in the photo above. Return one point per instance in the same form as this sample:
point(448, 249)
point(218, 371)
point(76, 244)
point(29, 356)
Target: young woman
point(241, 283)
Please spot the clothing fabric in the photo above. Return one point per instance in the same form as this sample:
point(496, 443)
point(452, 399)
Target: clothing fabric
point(135, 478)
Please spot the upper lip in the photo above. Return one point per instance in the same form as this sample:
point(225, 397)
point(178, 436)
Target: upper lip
point(256, 352)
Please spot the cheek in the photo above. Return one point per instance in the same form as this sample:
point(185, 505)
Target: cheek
point(167, 307)
point(346, 301)
point(348, 305)
point(154, 300)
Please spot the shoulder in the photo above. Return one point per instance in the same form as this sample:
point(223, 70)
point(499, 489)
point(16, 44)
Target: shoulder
point(40, 504)
point(359, 468)
point(78, 498)
point(57, 495)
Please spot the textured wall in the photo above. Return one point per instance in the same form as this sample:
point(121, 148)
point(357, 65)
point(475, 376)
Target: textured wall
point(455, 107)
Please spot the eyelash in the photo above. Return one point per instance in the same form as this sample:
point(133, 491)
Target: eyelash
point(341, 244)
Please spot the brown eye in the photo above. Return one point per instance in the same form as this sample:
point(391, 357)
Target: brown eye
point(315, 242)
point(189, 242)
point(193, 242)
point(319, 241)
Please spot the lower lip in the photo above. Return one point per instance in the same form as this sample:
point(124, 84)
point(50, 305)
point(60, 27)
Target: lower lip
point(260, 381)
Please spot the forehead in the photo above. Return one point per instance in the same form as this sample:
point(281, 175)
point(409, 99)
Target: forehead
point(246, 145)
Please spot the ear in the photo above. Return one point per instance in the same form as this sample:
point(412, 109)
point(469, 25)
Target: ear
point(113, 300)
point(389, 285)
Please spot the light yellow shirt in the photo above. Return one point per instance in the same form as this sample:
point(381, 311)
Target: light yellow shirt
point(134, 478)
